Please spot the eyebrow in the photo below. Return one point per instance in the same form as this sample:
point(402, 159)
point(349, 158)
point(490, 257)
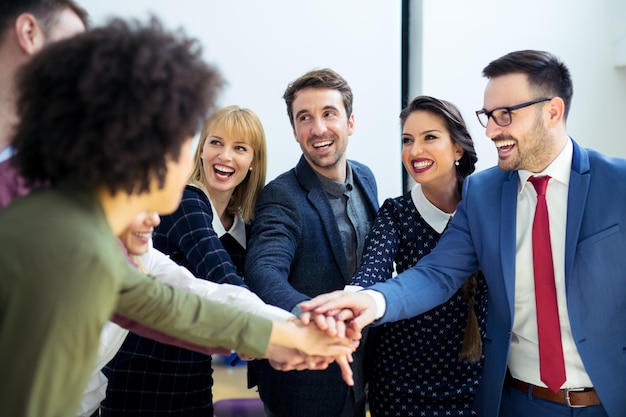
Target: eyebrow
point(422, 133)
point(327, 107)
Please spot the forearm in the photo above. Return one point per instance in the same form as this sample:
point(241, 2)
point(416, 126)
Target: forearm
point(192, 318)
point(167, 271)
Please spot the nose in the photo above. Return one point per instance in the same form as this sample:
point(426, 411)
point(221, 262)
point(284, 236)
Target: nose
point(417, 148)
point(319, 127)
point(493, 129)
point(152, 219)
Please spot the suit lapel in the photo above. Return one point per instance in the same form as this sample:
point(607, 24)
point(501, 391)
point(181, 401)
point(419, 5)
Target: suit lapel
point(508, 220)
point(318, 199)
point(577, 193)
point(367, 186)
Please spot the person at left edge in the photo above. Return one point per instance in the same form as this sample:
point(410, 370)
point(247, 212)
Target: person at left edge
point(111, 136)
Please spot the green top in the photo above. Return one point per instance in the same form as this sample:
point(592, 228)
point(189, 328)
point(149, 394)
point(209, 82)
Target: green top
point(62, 276)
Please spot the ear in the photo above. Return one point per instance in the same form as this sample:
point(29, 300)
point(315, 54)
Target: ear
point(30, 36)
point(459, 151)
point(556, 111)
point(351, 124)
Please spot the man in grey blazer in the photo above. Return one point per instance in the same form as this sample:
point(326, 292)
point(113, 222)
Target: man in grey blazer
point(526, 103)
point(307, 238)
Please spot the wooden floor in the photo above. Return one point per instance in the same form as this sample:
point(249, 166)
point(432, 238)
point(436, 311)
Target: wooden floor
point(230, 381)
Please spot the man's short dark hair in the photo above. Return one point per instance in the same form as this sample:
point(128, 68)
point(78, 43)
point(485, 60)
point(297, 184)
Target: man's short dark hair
point(318, 78)
point(109, 107)
point(46, 12)
point(547, 75)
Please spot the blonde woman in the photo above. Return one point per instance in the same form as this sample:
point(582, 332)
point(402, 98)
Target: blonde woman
point(207, 235)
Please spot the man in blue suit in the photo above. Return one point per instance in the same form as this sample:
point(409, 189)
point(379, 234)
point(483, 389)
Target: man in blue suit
point(307, 238)
point(526, 103)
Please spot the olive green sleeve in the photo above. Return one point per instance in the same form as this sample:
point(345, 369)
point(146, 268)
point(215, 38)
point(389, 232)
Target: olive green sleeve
point(189, 317)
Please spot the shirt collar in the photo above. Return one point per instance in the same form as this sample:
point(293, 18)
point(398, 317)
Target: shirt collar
point(437, 219)
point(237, 230)
point(559, 169)
point(336, 188)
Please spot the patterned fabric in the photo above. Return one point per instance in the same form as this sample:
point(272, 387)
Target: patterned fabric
point(147, 377)
point(416, 367)
point(188, 237)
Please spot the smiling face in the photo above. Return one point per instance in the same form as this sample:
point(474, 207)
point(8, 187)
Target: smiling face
point(322, 128)
point(136, 237)
point(428, 152)
point(226, 161)
point(526, 143)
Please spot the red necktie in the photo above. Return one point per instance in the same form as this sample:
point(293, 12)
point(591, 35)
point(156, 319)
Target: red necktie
point(551, 362)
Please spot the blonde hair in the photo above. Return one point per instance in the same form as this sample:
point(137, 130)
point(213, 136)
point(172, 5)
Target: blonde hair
point(244, 125)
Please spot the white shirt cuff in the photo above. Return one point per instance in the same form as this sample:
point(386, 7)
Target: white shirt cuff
point(352, 288)
point(379, 299)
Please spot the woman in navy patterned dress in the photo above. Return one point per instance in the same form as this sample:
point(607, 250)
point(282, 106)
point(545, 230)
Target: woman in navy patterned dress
point(429, 365)
point(207, 235)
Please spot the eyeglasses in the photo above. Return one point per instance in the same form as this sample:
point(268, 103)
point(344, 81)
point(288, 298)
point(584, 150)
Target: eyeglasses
point(502, 115)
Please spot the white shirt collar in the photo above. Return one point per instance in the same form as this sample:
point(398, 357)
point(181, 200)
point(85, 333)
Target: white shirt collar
point(559, 169)
point(237, 230)
point(437, 219)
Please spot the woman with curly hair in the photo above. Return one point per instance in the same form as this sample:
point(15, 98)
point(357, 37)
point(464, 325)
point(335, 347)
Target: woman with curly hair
point(107, 120)
point(429, 365)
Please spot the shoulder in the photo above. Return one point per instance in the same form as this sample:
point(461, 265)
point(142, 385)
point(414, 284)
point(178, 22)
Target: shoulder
point(285, 185)
point(191, 192)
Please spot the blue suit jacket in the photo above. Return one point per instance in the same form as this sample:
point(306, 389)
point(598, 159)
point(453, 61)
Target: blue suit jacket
point(295, 253)
point(482, 233)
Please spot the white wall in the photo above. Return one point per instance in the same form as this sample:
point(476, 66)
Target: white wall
point(458, 38)
point(262, 45)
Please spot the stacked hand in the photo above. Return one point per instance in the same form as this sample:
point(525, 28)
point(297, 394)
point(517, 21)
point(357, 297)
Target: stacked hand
point(329, 330)
point(354, 309)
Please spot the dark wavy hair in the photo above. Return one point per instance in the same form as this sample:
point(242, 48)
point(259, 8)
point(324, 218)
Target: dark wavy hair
point(547, 75)
point(456, 126)
point(318, 78)
point(111, 106)
point(46, 12)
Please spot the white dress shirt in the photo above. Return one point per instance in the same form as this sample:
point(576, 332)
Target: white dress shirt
point(524, 354)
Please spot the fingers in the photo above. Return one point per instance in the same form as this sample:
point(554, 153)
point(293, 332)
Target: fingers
point(319, 301)
point(346, 370)
point(306, 318)
point(326, 323)
point(341, 329)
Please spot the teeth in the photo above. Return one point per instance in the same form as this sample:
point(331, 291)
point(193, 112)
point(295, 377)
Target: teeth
point(143, 235)
point(320, 144)
point(422, 164)
point(224, 169)
point(503, 143)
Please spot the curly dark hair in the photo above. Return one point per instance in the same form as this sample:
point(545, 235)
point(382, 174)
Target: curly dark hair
point(319, 78)
point(456, 126)
point(111, 106)
point(46, 12)
point(547, 75)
